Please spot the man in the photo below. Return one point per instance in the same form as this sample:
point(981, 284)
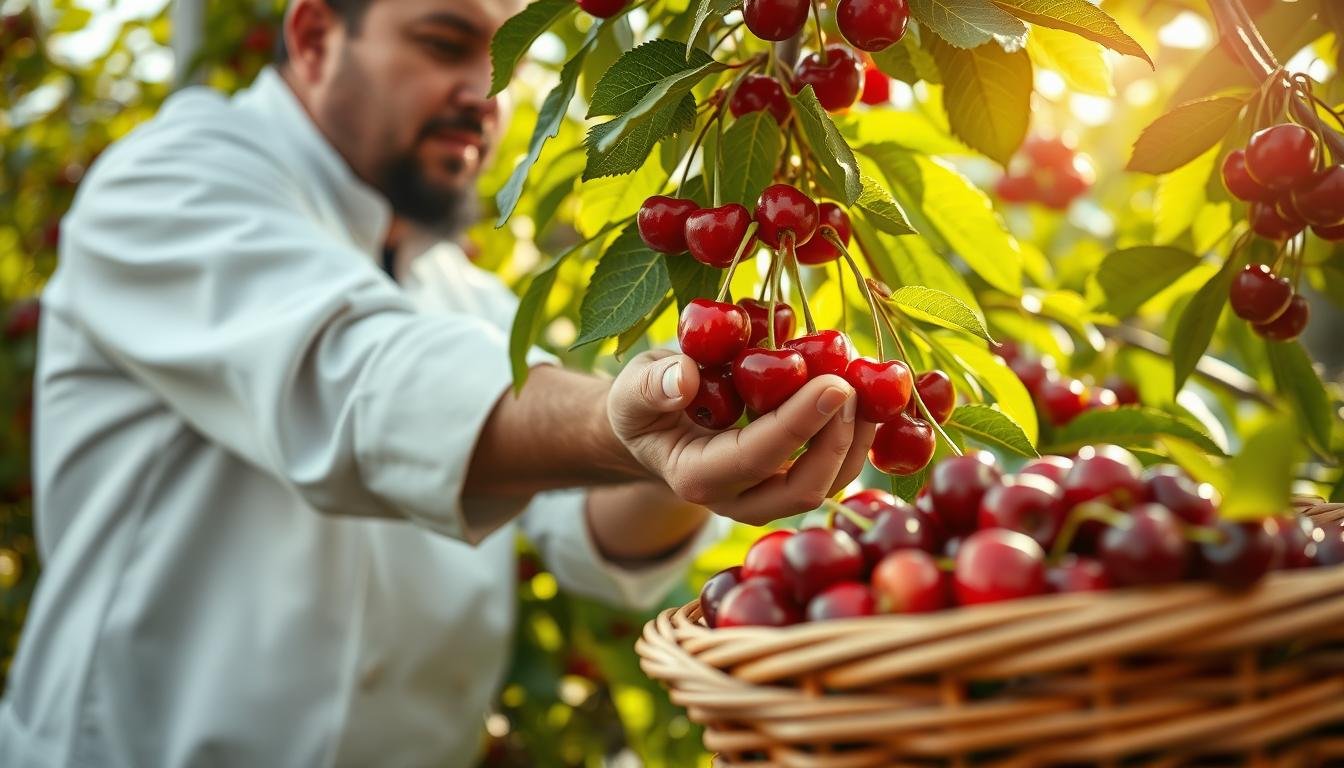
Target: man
point(275, 491)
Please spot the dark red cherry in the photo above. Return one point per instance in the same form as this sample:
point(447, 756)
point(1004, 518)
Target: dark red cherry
point(1281, 156)
point(883, 388)
point(1030, 504)
point(1290, 324)
point(782, 208)
point(816, 558)
point(909, 581)
point(1333, 234)
point(1101, 398)
point(714, 590)
point(1258, 295)
point(1147, 547)
point(819, 250)
point(958, 484)
point(759, 92)
point(836, 82)
point(713, 332)
point(757, 602)
point(1062, 400)
point(997, 564)
point(872, 25)
point(824, 352)
point(765, 378)
point(1321, 199)
point(876, 87)
point(1033, 373)
point(1078, 574)
point(900, 527)
point(1269, 223)
point(757, 312)
point(1240, 183)
point(845, 600)
point(716, 404)
point(1125, 391)
point(935, 389)
point(868, 504)
point(1053, 467)
point(662, 222)
point(1194, 503)
point(1297, 537)
point(603, 9)
point(1015, 188)
point(714, 234)
point(1105, 473)
point(902, 446)
point(775, 20)
point(1330, 544)
point(765, 557)
point(1243, 553)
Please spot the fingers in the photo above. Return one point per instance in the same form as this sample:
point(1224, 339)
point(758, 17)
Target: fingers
point(858, 454)
point(655, 383)
point(767, 444)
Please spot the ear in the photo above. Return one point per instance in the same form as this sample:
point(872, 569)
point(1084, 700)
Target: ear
point(309, 29)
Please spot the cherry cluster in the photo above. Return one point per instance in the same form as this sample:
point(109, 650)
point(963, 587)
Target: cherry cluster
point(1048, 171)
point(975, 535)
point(1061, 399)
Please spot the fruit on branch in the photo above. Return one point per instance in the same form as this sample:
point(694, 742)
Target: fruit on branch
point(935, 389)
point(757, 92)
point(995, 564)
point(1125, 391)
point(819, 250)
point(662, 222)
point(1146, 547)
point(1320, 200)
point(757, 602)
point(897, 528)
point(782, 208)
point(1027, 503)
point(1239, 182)
point(757, 312)
point(1269, 222)
point(603, 9)
point(1290, 324)
point(716, 404)
point(1282, 156)
point(836, 81)
point(712, 333)
point(1075, 573)
point(846, 600)
point(872, 25)
point(714, 590)
point(957, 486)
point(909, 581)
point(1258, 295)
point(883, 387)
point(765, 557)
point(1033, 373)
point(1333, 234)
point(1062, 400)
point(1049, 171)
point(902, 446)
point(775, 20)
point(876, 87)
point(816, 558)
point(867, 504)
point(1055, 468)
point(823, 352)
point(714, 234)
point(1194, 503)
point(765, 378)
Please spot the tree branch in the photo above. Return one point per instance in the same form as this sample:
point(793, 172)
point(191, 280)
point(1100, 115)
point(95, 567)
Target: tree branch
point(1209, 368)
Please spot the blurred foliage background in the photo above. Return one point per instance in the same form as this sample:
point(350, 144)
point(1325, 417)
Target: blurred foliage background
point(79, 75)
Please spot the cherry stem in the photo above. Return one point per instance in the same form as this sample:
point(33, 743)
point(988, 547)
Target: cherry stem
point(887, 312)
point(821, 41)
point(840, 510)
point(791, 261)
point(695, 147)
point(737, 257)
point(844, 300)
point(1091, 510)
point(772, 291)
point(834, 239)
point(726, 34)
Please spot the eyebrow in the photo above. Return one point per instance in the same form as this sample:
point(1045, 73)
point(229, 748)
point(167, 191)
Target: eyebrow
point(445, 18)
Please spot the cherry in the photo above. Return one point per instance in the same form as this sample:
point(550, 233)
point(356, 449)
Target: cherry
point(714, 590)
point(824, 352)
point(765, 378)
point(1057, 188)
point(1049, 151)
point(1330, 234)
point(765, 557)
point(1052, 467)
point(1321, 199)
point(1244, 553)
point(1269, 223)
point(1007, 350)
point(1281, 156)
point(1015, 188)
point(1290, 324)
point(22, 319)
point(935, 389)
point(868, 504)
point(1033, 373)
point(757, 602)
point(1078, 574)
point(716, 404)
point(902, 446)
point(713, 332)
point(1062, 400)
point(872, 25)
point(1239, 182)
point(816, 558)
point(909, 581)
point(1125, 391)
point(883, 388)
point(876, 87)
point(995, 564)
point(897, 528)
point(1101, 398)
point(662, 223)
point(1195, 504)
point(713, 234)
point(1104, 473)
point(1258, 295)
point(775, 20)
point(1147, 547)
point(819, 250)
point(757, 92)
point(836, 82)
point(757, 312)
point(845, 600)
point(1297, 539)
point(1030, 504)
point(782, 208)
point(603, 9)
point(958, 484)
point(931, 519)
point(1330, 544)
point(260, 39)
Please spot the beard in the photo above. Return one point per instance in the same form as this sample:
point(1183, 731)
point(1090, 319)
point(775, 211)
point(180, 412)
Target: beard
point(444, 211)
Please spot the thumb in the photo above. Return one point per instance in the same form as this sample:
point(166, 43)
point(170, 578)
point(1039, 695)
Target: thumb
point(653, 384)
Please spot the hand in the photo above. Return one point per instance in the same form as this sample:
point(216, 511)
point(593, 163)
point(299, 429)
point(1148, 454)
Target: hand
point(746, 474)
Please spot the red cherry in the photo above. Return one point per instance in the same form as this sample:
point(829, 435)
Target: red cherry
point(1104, 473)
point(1030, 504)
point(260, 39)
point(842, 601)
point(868, 504)
point(909, 581)
point(958, 484)
point(716, 404)
point(1057, 188)
point(876, 87)
point(713, 234)
point(935, 389)
point(1267, 222)
point(782, 208)
point(902, 446)
point(602, 9)
point(757, 92)
point(662, 223)
point(1281, 156)
point(1032, 373)
point(996, 564)
point(1147, 547)
point(765, 557)
point(1125, 391)
point(1193, 503)
point(1320, 200)
point(1078, 574)
point(1062, 400)
point(1014, 188)
point(757, 312)
point(1290, 324)
point(775, 20)
point(883, 388)
point(824, 352)
point(1240, 183)
point(1330, 544)
point(713, 332)
point(872, 25)
point(1100, 399)
point(1052, 467)
point(1258, 295)
point(22, 319)
point(1333, 234)
point(816, 558)
point(1244, 553)
point(819, 250)
point(899, 527)
point(835, 82)
point(1049, 151)
point(765, 378)
point(1298, 541)
point(714, 590)
point(757, 602)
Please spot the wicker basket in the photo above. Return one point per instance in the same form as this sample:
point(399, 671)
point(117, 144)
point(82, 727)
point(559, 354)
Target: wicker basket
point(1180, 675)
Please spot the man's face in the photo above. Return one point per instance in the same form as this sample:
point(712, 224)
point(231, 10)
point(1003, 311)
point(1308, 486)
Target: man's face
point(404, 99)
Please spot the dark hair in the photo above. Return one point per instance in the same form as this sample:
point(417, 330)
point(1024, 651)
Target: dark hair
point(351, 12)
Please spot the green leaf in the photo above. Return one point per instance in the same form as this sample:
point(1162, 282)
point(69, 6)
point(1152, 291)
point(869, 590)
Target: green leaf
point(517, 35)
point(753, 145)
point(631, 152)
point(1130, 426)
point(907, 486)
point(987, 96)
point(527, 321)
point(1079, 17)
point(614, 198)
point(629, 281)
point(1298, 382)
point(968, 23)
point(1131, 276)
point(991, 427)
point(669, 93)
point(997, 378)
point(907, 60)
point(1184, 134)
point(1182, 195)
point(910, 261)
point(837, 169)
point(706, 9)
point(691, 279)
point(882, 210)
point(1082, 63)
point(1194, 330)
point(940, 308)
point(1260, 477)
point(638, 71)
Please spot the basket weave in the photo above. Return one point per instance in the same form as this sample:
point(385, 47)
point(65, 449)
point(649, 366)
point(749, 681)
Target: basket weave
point(1180, 675)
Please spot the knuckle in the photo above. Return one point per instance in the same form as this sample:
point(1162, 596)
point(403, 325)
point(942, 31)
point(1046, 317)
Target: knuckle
point(810, 498)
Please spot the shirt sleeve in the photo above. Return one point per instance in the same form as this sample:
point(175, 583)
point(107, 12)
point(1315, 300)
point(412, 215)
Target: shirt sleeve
point(203, 271)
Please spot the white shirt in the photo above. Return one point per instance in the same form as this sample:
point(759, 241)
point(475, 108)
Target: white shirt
point(249, 458)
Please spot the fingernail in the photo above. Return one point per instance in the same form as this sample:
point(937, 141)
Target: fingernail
point(672, 381)
point(851, 409)
point(831, 400)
